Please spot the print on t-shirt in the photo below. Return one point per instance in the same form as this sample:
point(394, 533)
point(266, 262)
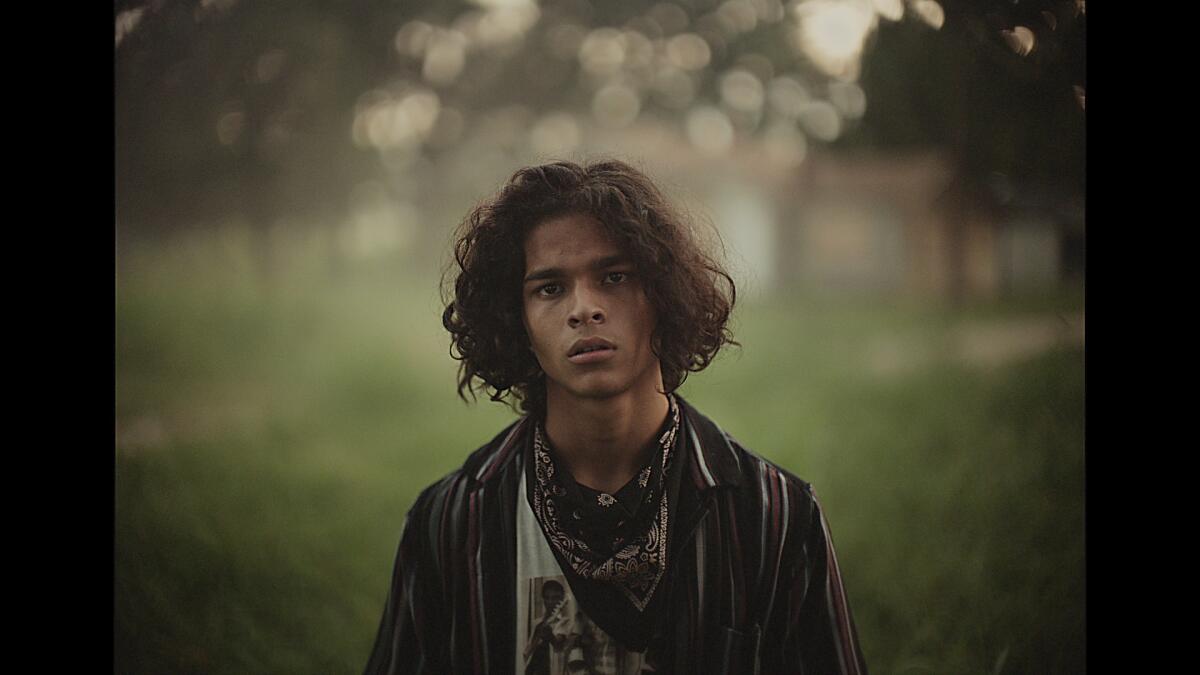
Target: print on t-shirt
point(559, 639)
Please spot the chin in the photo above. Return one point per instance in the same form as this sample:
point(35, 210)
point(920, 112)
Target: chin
point(596, 386)
point(603, 384)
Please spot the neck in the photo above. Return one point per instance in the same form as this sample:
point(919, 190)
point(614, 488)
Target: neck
point(604, 442)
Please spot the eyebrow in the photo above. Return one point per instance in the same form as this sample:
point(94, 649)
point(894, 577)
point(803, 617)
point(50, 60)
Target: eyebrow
point(557, 272)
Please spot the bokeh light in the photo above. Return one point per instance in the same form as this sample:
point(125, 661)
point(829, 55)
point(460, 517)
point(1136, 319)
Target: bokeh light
point(126, 21)
point(784, 145)
point(742, 91)
point(849, 99)
point(602, 51)
point(892, 10)
point(1020, 39)
point(787, 96)
point(445, 57)
point(821, 120)
point(930, 12)
point(710, 130)
point(831, 33)
point(616, 105)
point(688, 51)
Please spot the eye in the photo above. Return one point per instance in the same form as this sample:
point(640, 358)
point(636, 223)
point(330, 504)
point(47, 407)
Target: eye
point(615, 277)
point(548, 290)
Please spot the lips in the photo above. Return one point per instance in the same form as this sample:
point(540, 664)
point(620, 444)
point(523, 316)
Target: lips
point(590, 350)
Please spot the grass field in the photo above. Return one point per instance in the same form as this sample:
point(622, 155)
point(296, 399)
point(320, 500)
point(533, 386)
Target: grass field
point(270, 441)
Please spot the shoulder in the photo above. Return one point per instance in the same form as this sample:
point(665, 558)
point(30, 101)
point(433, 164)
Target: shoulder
point(765, 482)
point(754, 481)
point(757, 467)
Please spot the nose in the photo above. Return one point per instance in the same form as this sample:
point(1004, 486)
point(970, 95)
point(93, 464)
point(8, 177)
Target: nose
point(587, 309)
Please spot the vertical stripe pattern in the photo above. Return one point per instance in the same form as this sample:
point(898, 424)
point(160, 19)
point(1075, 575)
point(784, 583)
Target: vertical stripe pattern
point(762, 591)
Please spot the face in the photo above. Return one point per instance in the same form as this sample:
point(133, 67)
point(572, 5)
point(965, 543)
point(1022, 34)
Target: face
point(586, 313)
point(551, 595)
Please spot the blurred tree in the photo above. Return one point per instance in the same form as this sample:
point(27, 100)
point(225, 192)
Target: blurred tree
point(1000, 88)
point(272, 110)
point(242, 109)
point(973, 88)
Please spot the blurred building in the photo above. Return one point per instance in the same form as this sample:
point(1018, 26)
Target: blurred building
point(880, 222)
point(909, 222)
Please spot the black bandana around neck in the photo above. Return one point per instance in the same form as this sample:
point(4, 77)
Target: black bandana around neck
point(609, 541)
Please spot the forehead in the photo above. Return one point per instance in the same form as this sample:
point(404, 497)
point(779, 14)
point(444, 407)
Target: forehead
point(566, 240)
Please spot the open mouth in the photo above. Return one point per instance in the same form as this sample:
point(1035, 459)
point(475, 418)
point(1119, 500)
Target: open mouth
point(586, 350)
point(590, 350)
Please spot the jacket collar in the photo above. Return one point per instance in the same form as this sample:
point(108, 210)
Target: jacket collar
point(486, 463)
point(716, 461)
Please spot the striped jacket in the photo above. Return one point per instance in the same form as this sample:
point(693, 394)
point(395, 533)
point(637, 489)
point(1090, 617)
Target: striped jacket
point(755, 586)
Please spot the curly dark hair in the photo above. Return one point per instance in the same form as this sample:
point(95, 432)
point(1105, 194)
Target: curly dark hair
point(691, 293)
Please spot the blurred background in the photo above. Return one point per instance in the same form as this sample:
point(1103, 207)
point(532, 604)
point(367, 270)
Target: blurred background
point(899, 186)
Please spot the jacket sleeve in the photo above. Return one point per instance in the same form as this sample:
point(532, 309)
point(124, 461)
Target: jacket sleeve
point(822, 628)
point(413, 614)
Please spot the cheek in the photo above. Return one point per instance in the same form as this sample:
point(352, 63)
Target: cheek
point(530, 335)
point(534, 318)
point(647, 319)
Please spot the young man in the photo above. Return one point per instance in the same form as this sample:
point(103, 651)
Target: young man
point(585, 299)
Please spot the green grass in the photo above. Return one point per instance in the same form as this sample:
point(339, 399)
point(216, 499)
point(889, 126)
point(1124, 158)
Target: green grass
point(290, 429)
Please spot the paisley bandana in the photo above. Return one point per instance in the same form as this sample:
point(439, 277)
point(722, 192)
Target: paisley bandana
point(632, 555)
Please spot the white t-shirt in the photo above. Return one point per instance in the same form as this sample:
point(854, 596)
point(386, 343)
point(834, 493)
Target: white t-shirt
point(559, 639)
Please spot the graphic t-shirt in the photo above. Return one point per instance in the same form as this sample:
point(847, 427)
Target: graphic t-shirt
point(554, 635)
